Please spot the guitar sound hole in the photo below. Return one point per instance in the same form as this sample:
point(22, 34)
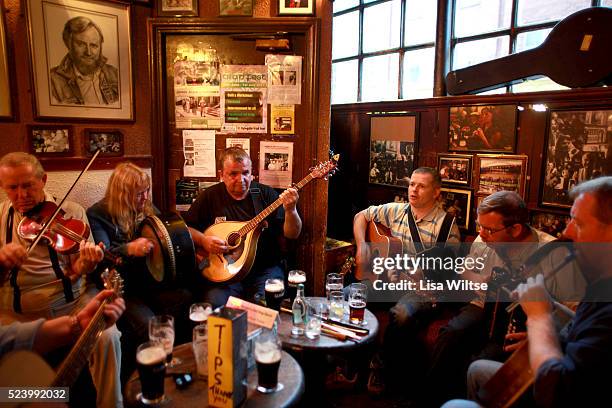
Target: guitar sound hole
point(233, 239)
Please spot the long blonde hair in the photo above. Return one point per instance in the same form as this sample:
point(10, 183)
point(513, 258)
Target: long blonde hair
point(121, 193)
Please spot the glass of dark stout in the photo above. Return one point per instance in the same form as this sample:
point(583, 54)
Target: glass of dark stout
point(275, 292)
point(268, 351)
point(151, 364)
point(294, 278)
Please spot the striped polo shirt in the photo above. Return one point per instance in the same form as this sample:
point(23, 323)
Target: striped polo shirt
point(395, 217)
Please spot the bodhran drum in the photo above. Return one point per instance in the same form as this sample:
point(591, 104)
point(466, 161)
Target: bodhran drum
point(173, 251)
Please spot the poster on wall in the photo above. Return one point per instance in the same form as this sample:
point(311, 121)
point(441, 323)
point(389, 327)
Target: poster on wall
point(282, 119)
point(199, 152)
point(186, 193)
point(244, 98)
point(242, 142)
point(196, 89)
point(284, 79)
point(275, 163)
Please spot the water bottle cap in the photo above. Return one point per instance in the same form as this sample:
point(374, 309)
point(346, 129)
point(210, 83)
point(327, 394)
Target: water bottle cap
point(300, 286)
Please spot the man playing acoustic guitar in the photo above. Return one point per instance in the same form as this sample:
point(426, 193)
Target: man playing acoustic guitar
point(238, 198)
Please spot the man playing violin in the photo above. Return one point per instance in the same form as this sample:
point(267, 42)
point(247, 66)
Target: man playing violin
point(42, 283)
point(234, 200)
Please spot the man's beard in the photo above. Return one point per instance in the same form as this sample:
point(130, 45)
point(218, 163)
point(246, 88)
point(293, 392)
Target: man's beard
point(84, 66)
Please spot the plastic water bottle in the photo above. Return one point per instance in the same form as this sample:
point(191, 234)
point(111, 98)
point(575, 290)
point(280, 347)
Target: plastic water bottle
point(298, 310)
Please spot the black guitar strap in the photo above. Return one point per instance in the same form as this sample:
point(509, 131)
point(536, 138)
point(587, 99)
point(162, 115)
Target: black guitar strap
point(442, 234)
point(257, 200)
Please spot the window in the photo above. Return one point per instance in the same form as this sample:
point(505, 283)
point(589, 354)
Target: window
point(384, 49)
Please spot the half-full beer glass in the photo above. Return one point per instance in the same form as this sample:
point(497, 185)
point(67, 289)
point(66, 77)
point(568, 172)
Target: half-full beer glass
point(268, 359)
point(151, 363)
point(161, 329)
point(358, 296)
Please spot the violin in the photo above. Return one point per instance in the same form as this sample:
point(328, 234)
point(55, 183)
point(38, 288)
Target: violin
point(64, 234)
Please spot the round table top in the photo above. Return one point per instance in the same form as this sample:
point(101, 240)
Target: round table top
point(324, 343)
point(196, 395)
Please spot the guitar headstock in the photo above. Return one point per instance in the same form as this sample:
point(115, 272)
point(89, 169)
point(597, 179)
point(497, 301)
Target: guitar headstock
point(347, 266)
point(113, 281)
point(326, 169)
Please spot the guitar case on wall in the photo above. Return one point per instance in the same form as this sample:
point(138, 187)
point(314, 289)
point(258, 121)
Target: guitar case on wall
point(575, 54)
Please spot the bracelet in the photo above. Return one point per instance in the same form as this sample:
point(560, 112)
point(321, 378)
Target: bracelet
point(75, 327)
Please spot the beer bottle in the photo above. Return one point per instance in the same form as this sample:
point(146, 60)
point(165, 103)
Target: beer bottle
point(299, 312)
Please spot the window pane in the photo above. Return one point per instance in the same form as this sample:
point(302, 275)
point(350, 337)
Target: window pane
point(475, 52)
point(344, 82)
point(345, 38)
point(420, 21)
point(380, 77)
point(381, 26)
point(607, 3)
point(540, 11)
point(531, 39)
point(340, 5)
point(481, 16)
point(418, 74)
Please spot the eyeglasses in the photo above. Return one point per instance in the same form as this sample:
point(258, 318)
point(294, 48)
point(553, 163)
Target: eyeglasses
point(490, 231)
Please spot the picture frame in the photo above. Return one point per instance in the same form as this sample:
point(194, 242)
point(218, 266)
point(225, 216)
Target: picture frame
point(549, 222)
point(576, 150)
point(6, 105)
point(296, 7)
point(392, 147)
point(496, 172)
point(457, 202)
point(455, 168)
point(109, 141)
point(177, 8)
point(235, 8)
point(482, 128)
point(50, 140)
point(52, 65)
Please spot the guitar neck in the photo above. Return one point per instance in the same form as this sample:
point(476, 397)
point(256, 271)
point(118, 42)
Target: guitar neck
point(79, 355)
point(251, 225)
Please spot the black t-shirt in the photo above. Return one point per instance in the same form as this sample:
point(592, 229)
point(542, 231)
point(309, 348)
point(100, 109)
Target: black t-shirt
point(216, 202)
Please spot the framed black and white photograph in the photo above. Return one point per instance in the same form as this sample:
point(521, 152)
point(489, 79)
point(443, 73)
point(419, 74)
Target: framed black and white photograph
point(6, 109)
point(482, 128)
point(108, 141)
point(72, 39)
point(578, 148)
point(296, 7)
point(392, 147)
point(455, 168)
point(50, 141)
point(501, 172)
point(551, 223)
point(235, 8)
point(457, 202)
point(177, 8)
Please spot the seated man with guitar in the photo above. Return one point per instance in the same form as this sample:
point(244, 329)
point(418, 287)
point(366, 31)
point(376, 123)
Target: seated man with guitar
point(419, 225)
point(42, 282)
point(567, 369)
point(238, 198)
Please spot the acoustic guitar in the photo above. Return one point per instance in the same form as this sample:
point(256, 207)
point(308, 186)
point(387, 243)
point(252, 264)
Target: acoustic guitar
point(241, 237)
point(576, 54)
point(27, 369)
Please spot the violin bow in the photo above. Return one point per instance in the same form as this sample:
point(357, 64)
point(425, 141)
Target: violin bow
point(59, 206)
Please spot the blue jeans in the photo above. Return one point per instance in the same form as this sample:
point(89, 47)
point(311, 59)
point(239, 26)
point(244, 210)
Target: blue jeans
point(479, 373)
point(249, 288)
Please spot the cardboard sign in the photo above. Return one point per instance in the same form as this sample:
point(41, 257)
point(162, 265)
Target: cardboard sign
point(226, 367)
point(259, 315)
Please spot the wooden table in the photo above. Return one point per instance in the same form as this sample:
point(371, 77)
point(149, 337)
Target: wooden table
point(312, 354)
point(196, 395)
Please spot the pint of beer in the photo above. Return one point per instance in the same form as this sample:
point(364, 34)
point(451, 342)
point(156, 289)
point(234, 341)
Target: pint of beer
point(268, 359)
point(294, 278)
point(151, 362)
point(275, 292)
point(358, 295)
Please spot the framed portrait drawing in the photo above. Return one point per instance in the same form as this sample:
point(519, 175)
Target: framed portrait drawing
point(230, 8)
point(482, 128)
point(6, 109)
point(50, 141)
point(108, 141)
point(455, 168)
point(392, 147)
point(296, 7)
point(551, 223)
point(177, 8)
point(82, 42)
point(501, 172)
point(576, 149)
point(457, 202)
